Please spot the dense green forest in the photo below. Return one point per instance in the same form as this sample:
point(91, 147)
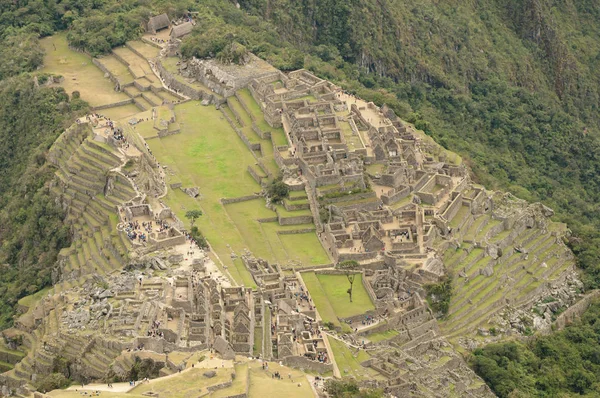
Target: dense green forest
point(31, 227)
point(562, 363)
point(510, 85)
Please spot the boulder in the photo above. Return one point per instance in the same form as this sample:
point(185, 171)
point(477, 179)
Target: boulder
point(209, 374)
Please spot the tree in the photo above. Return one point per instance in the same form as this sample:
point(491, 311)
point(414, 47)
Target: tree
point(278, 190)
point(193, 215)
point(349, 266)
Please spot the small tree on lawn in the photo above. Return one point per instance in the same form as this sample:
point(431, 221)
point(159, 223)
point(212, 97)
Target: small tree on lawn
point(193, 215)
point(349, 266)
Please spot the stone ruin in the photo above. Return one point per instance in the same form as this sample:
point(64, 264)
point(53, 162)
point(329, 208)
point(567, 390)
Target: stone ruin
point(380, 193)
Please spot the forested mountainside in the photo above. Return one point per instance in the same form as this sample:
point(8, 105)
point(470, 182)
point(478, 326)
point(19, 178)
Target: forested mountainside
point(31, 228)
point(510, 85)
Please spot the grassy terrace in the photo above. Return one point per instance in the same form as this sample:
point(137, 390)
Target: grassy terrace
point(348, 361)
point(79, 73)
point(460, 216)
point(377, 337)
point(207, 149)
point(277, 134)
point(329, 293)
point(31, 300)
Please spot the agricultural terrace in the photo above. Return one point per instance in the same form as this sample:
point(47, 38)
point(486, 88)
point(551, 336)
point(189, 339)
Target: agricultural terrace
point(348, 360)
point(79, 73)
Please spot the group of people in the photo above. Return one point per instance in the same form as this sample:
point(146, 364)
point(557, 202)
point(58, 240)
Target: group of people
point(153, 331)
point(158, 40)
point(132, 229)
point(322, 357)
point(369, 320)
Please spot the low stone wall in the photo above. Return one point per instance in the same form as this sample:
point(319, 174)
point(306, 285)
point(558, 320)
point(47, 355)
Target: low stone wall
point(296, 231)
point(226, 201)
point(295, 220)
point(251, 146)
point(219, 386)
point(113, 105)
point(344, 198)
point(269, 219)
point(254, 175)
point(9, 357)
point(243, 104)
point(105, 70)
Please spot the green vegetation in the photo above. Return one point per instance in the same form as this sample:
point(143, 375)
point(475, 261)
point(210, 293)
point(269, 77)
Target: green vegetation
point(330, 295)
point(348, 388)
point(32, 232)
point(349, 267)
point(439, 295)
point(193, 215)
point(278, 190)
point(377, 337)
point(564, 363)
point(348, 360)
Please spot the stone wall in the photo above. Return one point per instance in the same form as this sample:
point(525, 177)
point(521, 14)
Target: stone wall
point(295, 220)
point(254, 175)
point(113, 105)
point(296, 231)
point(174, 84)
point(575, 311)
point(345, 198)
point(399, 194)
point(105, 70)
point(251, 146)
point(226, 201)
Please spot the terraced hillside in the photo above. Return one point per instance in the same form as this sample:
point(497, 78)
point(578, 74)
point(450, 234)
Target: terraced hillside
point(365, 190)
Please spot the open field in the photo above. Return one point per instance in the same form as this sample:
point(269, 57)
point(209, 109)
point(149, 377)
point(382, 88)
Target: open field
point(79, 73)
point(348, 360)
point(208, 154)
point(250, 377)
point(335, 289)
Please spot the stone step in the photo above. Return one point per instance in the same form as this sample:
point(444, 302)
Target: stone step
point(100, 157)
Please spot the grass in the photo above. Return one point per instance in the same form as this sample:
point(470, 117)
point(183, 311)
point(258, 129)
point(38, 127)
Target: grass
point(262, 385)
point(319, 297)
point(185, 385)
point(239, 383)
point(277, 134)
point(79, 73)
point(336, 286)
point(117, 69)
point(353, 141)
point(135, 61)
point(121, 112)
point(348, 362)
point(145, 49)
point(208, 150)
point(329, 293)
point(31, 300)
point(381, 336)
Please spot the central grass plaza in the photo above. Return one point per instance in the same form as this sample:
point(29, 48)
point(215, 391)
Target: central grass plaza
point(330, 295)
point(208, 154)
